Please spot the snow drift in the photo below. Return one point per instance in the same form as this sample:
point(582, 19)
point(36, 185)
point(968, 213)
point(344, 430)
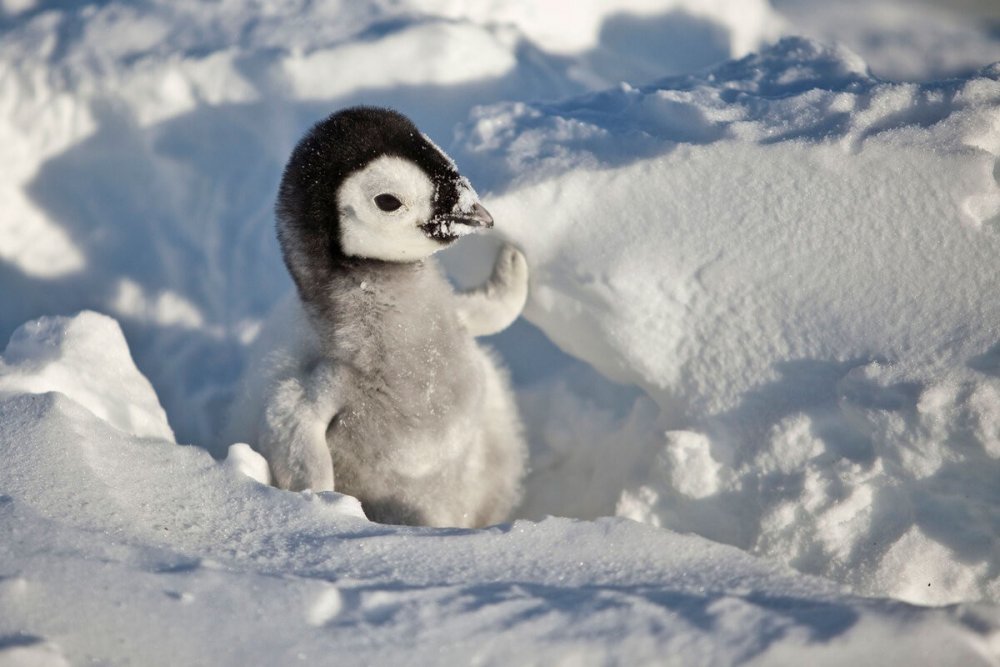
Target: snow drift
point(795, 261)
point(785, 264)
point(131, 548)
point(142, 145)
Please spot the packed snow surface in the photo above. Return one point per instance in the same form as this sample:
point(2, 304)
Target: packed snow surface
point(763, 323)
point(796, 262)
point(124, 548)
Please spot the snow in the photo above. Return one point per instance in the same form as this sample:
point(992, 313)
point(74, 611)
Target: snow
point(128, 547)
point(817, 338)
point(197, 107)
point(82, 359)
point(761, 378)
point(901, 42)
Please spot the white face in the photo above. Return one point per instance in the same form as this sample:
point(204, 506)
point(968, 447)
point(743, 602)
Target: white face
point(371, 223)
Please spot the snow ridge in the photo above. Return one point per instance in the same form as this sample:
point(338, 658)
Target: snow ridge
point(98, 516)
point(791, 258)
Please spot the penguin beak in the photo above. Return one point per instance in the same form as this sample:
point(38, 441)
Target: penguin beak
point(449, 226)
point(477, 217)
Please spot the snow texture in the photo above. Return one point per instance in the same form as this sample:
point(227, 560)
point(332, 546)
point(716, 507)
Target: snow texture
point(142, 145)
point(135, 549)
point(792, 259)
point(761, 376)
point(905, 43)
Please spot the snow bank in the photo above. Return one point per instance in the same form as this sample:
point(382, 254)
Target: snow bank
point(789, 263)
point(795, 261)
point(82, 358)
point(129, 549)
point(932, 41)
point(142, 144)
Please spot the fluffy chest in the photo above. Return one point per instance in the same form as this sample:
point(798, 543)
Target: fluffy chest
point(411, 367)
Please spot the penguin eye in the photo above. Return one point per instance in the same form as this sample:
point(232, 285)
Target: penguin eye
point(387, 202)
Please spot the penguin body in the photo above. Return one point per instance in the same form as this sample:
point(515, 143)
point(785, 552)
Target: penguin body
point(369, 380)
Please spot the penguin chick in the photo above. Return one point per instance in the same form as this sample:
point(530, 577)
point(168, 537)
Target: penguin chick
point(369, 381)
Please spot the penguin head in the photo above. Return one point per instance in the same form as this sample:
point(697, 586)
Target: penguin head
point(366, 183)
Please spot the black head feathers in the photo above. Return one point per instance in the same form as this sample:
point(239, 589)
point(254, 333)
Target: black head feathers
point(312, 229)
point(344, 143)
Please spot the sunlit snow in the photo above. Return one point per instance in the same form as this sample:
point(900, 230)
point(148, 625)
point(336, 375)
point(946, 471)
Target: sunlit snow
point(759, 367)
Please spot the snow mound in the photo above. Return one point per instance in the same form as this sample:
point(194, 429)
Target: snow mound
point(82, 358)
point(245, 460)
point(108, 530)
point(903, 42)
point(795, 261)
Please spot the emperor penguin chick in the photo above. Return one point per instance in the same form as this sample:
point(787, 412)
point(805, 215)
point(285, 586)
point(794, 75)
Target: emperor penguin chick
point(370, 381)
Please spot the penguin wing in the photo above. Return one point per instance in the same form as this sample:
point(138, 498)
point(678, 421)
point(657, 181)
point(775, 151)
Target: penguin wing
point(291, 433)
point(493, 306)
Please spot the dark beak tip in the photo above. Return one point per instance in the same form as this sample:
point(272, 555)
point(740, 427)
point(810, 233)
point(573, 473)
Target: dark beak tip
point(477, 217)
point(480, 213)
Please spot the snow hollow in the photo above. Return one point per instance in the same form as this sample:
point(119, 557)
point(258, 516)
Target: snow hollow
point(760, 371)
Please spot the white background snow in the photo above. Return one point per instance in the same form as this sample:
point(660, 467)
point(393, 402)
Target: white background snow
point(760, 372)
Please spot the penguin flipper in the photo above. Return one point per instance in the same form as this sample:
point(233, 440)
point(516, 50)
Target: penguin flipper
point(493, 306)
point(292, 430)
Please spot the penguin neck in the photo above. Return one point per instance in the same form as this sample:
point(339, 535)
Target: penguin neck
point(351, 270)
point(357, 292)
